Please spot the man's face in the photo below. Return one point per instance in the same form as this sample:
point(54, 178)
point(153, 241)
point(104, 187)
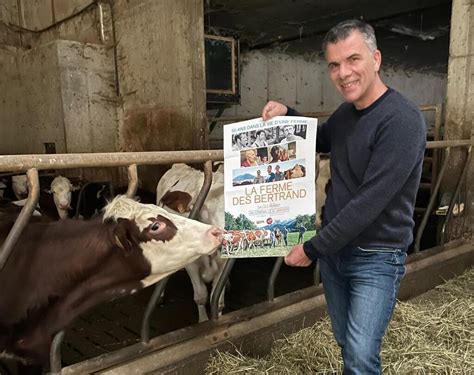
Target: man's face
point(353, 69)
point(243, 139)
point(269, 169)
point(288, 130)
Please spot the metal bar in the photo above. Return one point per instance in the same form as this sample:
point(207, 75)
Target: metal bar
point(425, 107)
point(55, 353)
point(206, 186)
point(316, 274)
point(437, 137)
point(157, 293)
point(23, 218)
point(113, 159)
point(132, 180)
point(452, 144)
point(10, 163)
point(220, 287)
point(449, 214)
point(272, 279)
point(431, 203)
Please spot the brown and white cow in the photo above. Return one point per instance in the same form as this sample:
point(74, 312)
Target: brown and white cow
point(297, 171)
point(177, 191)
point(60, 269)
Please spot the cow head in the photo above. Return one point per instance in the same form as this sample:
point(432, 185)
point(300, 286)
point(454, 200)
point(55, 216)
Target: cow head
point(297, 171)
point(61, 188)
point(168, 241)
point(20, 186)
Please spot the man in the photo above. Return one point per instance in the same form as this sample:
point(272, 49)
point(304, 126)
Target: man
point(377, 140)
point(289, 131)
point(259, 179)
point(284, 233)
point(270, 174)
point(279, 176)
point(301, 232)
point(241, 142)
point(261, 140)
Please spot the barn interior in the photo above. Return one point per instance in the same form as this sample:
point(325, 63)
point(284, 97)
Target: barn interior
point(88, 76)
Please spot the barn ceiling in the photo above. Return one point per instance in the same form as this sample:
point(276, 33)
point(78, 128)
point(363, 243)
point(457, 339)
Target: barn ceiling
point(259, 23)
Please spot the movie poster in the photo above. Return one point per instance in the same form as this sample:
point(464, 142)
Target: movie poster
point(269, 186)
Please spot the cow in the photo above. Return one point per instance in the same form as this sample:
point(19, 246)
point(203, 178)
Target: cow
point(59, 270)
point(177, 191)
point(61, 188)
point(322, 185)
point(14, 188)
point(234, 240)
point(297, 171)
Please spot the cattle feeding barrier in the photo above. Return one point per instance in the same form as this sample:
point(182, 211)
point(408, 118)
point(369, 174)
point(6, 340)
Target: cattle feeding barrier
point(31, 164)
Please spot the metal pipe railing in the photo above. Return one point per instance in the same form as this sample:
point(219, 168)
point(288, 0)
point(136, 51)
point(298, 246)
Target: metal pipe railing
point(273, 277)
point(220, 287)
point(132, 181)
point(447, 145)
point(449, 214)
point(10, 163)
point(23, 217)
point(55, 353)
point(431, 202)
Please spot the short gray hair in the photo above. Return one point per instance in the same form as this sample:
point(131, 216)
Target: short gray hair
point(343, 29)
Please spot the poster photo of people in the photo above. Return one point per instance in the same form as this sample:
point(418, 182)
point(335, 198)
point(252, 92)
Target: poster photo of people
point(268, 185)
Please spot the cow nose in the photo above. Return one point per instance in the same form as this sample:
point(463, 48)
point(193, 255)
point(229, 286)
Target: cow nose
point(217, 233)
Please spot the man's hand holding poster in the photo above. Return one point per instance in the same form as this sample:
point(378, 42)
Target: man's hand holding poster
point(269, 185)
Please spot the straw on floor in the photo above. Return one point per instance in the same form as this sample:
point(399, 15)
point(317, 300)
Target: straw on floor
point(430, 335)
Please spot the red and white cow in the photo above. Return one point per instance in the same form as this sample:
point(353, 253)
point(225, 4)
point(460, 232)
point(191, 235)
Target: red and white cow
point(177, 191)
point(60, 269)
point(296, 172)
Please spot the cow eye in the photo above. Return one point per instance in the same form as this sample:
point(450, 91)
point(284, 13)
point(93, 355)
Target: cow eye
point(157, 226)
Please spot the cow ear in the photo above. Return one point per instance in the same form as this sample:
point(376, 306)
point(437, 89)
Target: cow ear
point(179, 201)
point(49, 191)
point(123, 235)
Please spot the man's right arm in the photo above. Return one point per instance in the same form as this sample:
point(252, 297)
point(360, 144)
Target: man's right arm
point(272, 109)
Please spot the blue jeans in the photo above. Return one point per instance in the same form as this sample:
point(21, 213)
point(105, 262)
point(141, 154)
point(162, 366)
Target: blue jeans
point(361, 286)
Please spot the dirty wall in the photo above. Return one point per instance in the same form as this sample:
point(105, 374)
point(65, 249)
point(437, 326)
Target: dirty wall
point(301, 81)
point(86, 76)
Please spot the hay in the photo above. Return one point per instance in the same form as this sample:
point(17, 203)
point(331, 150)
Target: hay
point(426, 336)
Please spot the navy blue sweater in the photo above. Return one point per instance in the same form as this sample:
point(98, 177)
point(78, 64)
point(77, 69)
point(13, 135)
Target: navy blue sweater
point(376, 161)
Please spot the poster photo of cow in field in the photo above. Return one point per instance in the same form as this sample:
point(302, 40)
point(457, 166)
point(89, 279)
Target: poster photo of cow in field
point(269, 189)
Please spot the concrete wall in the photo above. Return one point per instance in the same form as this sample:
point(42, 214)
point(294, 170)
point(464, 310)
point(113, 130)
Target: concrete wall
point(57, 93)
point(161, 73)
point(301, 81)
point(460, 103)
point(34, 115)
point(71, 93)
point(8, 17)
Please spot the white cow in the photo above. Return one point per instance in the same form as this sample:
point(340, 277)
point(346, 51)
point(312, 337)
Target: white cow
point(177, 191)
point(62, 188)
point(324, 177)
point(20, 186)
